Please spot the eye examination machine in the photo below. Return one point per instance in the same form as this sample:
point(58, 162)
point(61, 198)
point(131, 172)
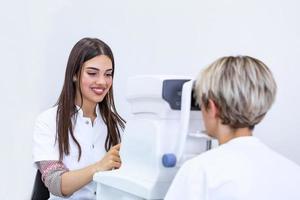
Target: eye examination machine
point(165, 130)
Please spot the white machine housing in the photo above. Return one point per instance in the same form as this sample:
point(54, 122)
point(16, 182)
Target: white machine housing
point(163, 127)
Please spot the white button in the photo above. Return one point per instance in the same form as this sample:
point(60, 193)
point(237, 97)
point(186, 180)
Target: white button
point(93, 146)
point(87, 122)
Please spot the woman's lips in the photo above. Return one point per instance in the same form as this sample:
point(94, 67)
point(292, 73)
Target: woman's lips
point(98, 91)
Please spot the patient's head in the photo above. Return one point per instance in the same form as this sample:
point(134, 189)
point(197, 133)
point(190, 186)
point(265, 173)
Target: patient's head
point(242, 88)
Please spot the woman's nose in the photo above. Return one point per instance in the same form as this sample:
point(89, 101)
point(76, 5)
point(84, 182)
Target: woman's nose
point(101, 80)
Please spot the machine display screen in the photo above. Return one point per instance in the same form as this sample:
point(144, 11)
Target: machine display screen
point(171, 92)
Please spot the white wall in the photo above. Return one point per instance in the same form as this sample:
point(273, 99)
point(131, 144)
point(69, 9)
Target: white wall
point(147, 37)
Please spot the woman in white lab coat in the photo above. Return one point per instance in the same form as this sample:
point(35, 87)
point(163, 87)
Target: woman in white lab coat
point(80, 135)
point(235, 94)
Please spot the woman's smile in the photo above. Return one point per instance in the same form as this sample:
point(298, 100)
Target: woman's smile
point(98, 90)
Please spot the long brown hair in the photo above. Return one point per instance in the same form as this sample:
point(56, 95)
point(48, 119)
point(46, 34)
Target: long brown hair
point(85, 49)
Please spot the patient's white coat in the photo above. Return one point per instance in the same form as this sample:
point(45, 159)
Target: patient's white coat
point(241, 169)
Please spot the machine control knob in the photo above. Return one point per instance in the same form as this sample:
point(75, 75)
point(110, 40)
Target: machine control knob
point(169, 160)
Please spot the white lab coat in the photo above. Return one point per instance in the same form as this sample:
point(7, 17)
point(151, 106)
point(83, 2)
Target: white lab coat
point(90, 137)
point(241, 169)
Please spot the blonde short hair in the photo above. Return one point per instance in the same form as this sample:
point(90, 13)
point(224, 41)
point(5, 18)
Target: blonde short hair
point(242, 87)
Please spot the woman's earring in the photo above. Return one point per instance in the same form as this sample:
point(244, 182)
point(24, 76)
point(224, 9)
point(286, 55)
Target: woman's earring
point(74, 79)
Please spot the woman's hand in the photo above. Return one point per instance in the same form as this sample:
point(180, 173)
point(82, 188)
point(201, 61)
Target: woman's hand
point(74, 180)
point(111, 160)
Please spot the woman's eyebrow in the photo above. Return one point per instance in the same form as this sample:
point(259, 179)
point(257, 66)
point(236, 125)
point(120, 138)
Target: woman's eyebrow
point(97, 69)
point(93, 68)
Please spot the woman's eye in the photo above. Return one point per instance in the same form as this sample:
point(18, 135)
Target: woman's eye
point(91, 73)
point(108, 75)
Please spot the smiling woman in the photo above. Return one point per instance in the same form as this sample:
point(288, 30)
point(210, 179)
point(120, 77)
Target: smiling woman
point(80, 135)
point(96, 81)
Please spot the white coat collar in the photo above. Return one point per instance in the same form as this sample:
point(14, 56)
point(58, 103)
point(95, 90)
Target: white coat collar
point(80, 111)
